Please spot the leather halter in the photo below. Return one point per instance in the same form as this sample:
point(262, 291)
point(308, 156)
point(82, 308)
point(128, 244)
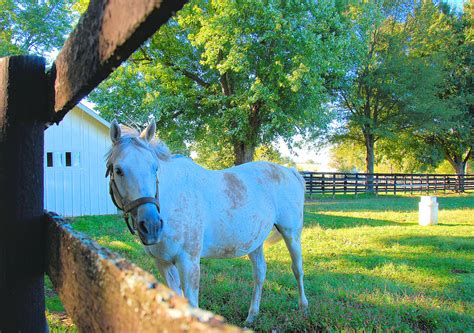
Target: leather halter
point(126, 205)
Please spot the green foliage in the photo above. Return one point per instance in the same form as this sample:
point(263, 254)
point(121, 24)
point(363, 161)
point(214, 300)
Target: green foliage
point(392, 157)
point(213, 155)
point(448, 37)
point(271, 154)
point(34, 27)
point(408, 158)
point(368, 267)
point(221, 157)
point(348, 157)
point(223, 71)
point(410, 87)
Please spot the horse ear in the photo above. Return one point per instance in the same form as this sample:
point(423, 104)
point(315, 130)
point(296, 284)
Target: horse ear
point(149, 132)
point(115, 132)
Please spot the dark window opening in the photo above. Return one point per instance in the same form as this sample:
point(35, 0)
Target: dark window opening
point(49, 160)
point(68, 159)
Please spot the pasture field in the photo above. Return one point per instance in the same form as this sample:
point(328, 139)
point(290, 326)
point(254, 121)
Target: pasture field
point(368, 266)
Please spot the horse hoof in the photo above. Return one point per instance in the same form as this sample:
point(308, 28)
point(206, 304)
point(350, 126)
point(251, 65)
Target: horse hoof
point(304, 308)
point(250, 318)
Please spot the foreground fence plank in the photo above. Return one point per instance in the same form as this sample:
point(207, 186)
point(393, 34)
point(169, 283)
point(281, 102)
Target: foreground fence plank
point(103, 292)
point(23, 111)
point(107, 34)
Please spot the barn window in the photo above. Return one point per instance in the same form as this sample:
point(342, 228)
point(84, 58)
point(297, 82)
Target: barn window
point(49, 159)
point(58, 159)
point(76, 159)
point(68, 159)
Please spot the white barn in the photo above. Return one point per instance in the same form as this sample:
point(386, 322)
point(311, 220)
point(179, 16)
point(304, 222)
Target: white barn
point(74, 165)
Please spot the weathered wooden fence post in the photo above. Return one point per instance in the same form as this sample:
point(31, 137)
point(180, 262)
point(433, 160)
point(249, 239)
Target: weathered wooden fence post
point(23, 111)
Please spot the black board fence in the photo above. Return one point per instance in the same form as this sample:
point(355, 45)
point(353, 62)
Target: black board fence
point(385, 183)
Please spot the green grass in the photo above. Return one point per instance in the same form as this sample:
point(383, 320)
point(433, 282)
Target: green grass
point(368, 266)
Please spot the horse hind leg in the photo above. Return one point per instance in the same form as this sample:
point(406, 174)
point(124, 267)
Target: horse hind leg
point(292, 239)
point(259, 267)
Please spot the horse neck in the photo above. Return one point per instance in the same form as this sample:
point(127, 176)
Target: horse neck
point(181, 167)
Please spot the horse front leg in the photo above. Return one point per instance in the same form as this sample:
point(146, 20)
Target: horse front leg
point(170, 274)
point(189, 274)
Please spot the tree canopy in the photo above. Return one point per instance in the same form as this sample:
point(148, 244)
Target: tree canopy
point(407, 68)
point(236, 75)
point(227, 79)
point(34, 27)
point(448, 37)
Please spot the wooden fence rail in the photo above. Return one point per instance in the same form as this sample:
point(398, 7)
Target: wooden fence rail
point(103, 292)
point(354, 183)
point(107, 34)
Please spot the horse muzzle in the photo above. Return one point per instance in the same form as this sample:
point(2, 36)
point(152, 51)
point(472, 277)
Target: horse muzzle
point(149, 225)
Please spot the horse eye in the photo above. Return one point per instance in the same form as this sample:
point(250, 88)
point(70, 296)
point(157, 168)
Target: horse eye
point(119, 172)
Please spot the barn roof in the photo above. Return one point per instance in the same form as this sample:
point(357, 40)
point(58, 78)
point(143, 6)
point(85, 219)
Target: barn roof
point(93, 114)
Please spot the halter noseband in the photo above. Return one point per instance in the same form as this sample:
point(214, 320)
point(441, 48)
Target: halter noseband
point(125, 205)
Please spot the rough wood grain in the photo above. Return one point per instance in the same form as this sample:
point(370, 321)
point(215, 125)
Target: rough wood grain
point(105, 293)
point(107, 34)
point(23, 110)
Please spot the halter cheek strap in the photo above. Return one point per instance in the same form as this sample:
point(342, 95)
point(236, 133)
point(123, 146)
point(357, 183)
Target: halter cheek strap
point(125, 205)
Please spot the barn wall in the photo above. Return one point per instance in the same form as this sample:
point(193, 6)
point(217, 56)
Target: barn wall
point(81, 188)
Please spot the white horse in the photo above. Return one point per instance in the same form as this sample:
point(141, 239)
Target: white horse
point(183, 212)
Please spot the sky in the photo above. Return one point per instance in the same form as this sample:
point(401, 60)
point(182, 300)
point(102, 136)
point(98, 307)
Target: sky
point(321, 157)
point(455, 3)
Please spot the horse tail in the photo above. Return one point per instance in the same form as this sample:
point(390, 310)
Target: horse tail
point(274, 237)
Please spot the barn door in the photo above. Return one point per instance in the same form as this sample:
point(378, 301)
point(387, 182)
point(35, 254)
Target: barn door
point(63, 178)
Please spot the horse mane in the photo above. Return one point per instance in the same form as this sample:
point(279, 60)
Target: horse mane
point(131, 136)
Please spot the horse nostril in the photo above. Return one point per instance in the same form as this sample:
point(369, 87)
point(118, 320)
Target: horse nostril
point(142, 227)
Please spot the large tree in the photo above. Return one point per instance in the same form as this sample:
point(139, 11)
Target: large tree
point(34, 27)
point(238, 74)
point(386, 91)
point(439, 33)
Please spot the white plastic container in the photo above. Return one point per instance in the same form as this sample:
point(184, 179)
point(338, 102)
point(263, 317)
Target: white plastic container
point(428, 211)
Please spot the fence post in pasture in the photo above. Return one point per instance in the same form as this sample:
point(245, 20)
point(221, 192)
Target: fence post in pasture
point(444, 184)
point(323, 189)
point(23, 114)
point(395, 184)
point(427, 184)
point(460, 183)
point(311, 185)
point(334, 185)
point(345, 183)
point(357, 183)
point(376, 184)
point(411, 184)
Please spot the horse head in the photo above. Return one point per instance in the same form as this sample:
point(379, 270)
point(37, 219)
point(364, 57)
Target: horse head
point(132, 165)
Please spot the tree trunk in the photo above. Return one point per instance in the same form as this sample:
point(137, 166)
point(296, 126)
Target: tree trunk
point(460, 166)
point(243, 153)
point(369, 160)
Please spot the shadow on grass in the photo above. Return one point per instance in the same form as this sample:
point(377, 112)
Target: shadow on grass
point(386, 202)
point(440, 243)
point(453, 273)
point(340, 222)
point(337, 301)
